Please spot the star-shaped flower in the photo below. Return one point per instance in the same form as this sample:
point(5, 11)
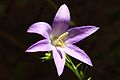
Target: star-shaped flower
point(59, 40)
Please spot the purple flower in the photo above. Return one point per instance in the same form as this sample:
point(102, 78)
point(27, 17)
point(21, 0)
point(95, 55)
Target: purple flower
point(59, 40)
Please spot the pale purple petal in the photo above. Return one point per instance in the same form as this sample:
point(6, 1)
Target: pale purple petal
point(78, 33)
point(77, 53)
point(42, 45)
point(59, 59)
point(61, 21)
point(41, 28)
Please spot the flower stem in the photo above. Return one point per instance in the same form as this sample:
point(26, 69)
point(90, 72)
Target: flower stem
point(71, 66)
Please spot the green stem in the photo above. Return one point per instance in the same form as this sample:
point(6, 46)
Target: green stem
point(71, 66)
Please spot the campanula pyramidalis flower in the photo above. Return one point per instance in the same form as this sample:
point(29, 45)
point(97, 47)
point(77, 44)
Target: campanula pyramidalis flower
point(60, 40)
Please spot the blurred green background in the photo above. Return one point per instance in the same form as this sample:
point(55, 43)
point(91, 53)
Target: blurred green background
point(103, 47)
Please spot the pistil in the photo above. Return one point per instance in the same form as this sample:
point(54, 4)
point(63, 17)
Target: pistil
point(60, 40)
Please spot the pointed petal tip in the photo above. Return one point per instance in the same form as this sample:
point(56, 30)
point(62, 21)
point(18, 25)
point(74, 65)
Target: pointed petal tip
point(97, 28)
point(25, 50)
point(28, 50)
point(31, 50)
point(29, 31)
point(64, 5)
point(59, 74)
point(88, 63)
point(65, 8)
point(91, 64)
point(63, 11)
point(41, 28)
point(94, 28)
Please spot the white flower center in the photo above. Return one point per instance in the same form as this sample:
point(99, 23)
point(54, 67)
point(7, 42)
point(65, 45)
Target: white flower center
point(60, 40)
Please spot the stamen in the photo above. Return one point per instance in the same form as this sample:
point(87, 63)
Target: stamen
point(60, 40)
point(63, 36)
point(60, 43)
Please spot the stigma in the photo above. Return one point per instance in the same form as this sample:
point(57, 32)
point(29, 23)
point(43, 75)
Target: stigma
point(60, 40)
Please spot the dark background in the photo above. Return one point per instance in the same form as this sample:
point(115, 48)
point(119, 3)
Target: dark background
point(103, 47)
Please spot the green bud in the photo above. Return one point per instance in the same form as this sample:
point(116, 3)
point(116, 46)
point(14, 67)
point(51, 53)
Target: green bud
point(46, 57)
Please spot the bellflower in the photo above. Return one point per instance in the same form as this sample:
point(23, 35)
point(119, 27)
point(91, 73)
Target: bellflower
point(59, 40)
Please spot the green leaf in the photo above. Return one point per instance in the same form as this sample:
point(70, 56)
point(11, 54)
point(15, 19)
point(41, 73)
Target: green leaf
point(78, 65)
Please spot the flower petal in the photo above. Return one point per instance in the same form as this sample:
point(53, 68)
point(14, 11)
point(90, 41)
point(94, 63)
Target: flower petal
point(78, 54)
point(59, 59)
point(78, 33)
point(61, 21)
point(41, 28)
point(42, 45)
